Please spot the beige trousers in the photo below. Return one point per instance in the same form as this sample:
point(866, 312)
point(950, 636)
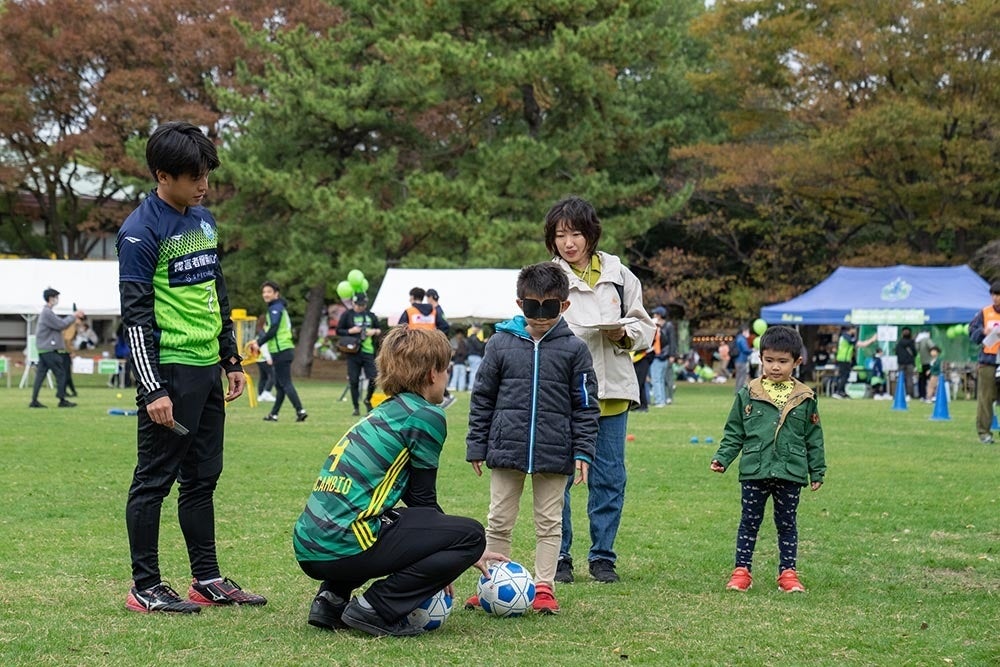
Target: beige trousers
point(548, 491)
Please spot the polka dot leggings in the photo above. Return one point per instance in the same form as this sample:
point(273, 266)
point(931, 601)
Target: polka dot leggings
point(785, 501)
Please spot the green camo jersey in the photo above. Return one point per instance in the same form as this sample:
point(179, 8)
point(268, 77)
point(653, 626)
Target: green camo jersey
point(367, 473)
point(178, 254)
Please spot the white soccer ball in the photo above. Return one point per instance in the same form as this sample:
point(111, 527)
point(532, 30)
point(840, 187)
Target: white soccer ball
point(509, 591)
point(432, 612)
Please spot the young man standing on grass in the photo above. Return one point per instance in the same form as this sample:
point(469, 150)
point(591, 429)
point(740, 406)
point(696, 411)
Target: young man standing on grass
point(176, 316)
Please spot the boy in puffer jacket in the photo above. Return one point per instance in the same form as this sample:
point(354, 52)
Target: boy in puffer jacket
point(534, 411)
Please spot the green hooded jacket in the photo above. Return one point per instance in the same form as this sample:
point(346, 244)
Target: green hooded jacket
point(777, 443)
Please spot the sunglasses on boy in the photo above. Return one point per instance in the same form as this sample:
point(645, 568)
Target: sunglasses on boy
point(534, 309)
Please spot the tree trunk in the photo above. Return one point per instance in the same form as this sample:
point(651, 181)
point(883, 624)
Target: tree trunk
point(315, 307)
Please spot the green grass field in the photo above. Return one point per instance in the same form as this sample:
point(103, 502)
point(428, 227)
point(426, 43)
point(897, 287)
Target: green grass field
point(899, 550)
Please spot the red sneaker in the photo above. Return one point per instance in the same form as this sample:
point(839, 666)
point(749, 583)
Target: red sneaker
point(225, 592)
point(545, 601)
point(788, 581)
point(473, 603)
point(740, 580)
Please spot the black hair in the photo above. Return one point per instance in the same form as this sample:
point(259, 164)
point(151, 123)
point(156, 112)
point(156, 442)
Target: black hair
point(273, 285)
point(179, 147)
point(543, 279)
point(995, 287)
point(780, 338)
point(578, 215)
point(418, 293)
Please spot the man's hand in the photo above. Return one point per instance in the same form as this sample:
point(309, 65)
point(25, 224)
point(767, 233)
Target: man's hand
point(483, 564)
point(237, 383)
point(161, 411)
point(582, 468)
point(614, 335)
point(477, 466)
point(717, 467)
point(253, 348)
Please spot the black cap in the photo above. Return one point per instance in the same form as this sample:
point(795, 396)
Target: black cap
point(49, 293)
point(360, 297)
point(433, 293)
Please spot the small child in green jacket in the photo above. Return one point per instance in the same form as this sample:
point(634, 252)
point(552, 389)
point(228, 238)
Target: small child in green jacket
point(775, 424)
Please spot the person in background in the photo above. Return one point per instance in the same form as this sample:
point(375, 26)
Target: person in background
point(122, 352)
point(847, 347)
point(602, 292)
point(86, 338)
point(434, 300)
point(985, 323)
point(278, 338)
point(641, 361)
point(876, 376)
point(422, 315)
point(661, 375)
point(460, 354)
point(265, 366)
point(52, 354)
point(924, 345)
point(741, 356)
point(933, 374)
point(475, 344)
point(360, 322)
point(906, 356)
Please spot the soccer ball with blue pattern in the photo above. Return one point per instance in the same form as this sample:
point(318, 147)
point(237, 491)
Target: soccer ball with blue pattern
point(432, 612)
point(509, 591)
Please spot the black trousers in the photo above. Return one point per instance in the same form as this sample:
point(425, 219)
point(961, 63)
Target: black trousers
point(419, 554)
point(355, 363)
point(843, 374)
point(282, 363)
point(266, 381)
point(641, 373)
point(55, 362)
point(194, 460)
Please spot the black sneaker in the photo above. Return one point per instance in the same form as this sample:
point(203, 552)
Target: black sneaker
point(225, 592)
point(603, 570)
point(66, 404)
point(356, 413)
point(271, 418)
point(326, 611)
point(300, 416)
point(160, 597)
point(35, 404)
point(564, 571)
point(448, 400)
point(368, 407)
point(368, 620)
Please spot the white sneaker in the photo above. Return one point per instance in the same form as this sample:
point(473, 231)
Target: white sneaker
point(266, 397)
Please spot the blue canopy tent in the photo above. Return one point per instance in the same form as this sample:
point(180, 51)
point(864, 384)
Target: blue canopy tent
point(914, 295)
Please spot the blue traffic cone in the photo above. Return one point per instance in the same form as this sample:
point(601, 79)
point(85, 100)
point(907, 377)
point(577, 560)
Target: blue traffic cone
point(900, 402)
point(941, 403)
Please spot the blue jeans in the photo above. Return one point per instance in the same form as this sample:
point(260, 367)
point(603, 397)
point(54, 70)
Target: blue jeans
point(474, 360)
point(606, 492)
point(657, 376)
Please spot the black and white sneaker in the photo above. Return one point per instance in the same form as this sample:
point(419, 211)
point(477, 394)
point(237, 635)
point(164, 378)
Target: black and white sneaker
point(270, 418)
point(160, 597)
point(300, 416)
point(368, 620)
point(225, 592)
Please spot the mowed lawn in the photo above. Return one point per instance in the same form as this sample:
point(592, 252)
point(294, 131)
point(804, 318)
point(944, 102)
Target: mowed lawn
point(899, 551)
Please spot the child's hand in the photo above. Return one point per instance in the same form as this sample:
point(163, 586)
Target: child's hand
point(815, 486)
point(477, 466)
point(582, 469)
point(717, 467)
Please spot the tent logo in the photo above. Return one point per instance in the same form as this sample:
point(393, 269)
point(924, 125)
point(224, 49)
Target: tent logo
point(897, 290)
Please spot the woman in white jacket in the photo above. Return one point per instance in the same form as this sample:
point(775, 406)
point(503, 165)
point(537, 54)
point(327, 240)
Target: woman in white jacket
point(606, 312)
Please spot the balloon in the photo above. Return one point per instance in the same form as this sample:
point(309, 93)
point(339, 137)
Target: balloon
point(759, 326)
point(756, 343)
point(364, 285)
point(356, 278)
point(344, 290)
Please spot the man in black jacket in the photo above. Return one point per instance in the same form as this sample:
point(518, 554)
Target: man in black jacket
point(906, 354)
point(361, 323)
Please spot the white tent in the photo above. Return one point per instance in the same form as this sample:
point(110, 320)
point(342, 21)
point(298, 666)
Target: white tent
point(466, 294)
point(91, 285)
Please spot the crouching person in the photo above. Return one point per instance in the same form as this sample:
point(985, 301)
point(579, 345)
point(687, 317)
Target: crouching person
point(351, 530)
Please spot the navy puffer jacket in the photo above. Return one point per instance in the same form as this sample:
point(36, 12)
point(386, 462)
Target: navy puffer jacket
point(534, 406)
